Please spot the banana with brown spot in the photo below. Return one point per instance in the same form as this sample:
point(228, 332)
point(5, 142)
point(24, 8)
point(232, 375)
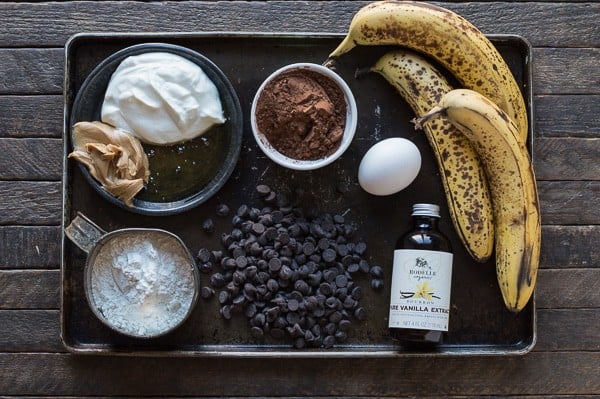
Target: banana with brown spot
point(447, 37)
point(512, 186)
point(463, 178)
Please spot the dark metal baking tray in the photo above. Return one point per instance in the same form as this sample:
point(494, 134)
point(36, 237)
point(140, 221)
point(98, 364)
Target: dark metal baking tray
point(479, 323)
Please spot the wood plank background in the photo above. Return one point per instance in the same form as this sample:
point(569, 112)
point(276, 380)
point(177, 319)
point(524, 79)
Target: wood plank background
point(566, 360)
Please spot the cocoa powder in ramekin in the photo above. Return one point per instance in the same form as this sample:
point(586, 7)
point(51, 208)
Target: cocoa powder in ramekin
point(302, 114)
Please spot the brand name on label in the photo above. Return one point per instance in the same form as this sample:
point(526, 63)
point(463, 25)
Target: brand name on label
point(422, 267)
point(422, 273)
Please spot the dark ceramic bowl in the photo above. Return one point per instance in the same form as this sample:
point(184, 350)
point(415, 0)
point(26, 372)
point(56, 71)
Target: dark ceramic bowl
point(180, 194)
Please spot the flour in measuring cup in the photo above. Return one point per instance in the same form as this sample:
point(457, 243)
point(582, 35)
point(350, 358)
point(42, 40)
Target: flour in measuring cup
point(142, 284)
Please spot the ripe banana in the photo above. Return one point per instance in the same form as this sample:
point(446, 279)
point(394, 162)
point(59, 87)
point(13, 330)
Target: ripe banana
point(512, 186)
point(449, 38)
point(463, 178)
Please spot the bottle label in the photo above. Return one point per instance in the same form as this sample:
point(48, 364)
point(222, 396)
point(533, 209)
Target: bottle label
point(420, 296)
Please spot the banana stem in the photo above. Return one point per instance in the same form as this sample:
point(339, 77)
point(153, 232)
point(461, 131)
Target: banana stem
point(329, 63)
point(346, 45)
point(434, 112)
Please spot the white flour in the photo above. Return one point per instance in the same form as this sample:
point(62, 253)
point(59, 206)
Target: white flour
point(142, 284)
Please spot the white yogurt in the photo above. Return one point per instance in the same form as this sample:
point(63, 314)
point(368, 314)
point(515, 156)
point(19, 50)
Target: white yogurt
point(161, 98)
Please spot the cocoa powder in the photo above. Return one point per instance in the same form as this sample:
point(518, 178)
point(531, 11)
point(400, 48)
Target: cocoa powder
point(302, 114)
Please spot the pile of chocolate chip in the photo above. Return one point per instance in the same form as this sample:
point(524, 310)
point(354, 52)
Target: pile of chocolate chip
point(289, 273)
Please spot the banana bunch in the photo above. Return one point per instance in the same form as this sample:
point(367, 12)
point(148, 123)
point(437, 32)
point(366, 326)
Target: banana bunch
point(512, 186)
point(463, 178)
point(491, 114)
point(448, 38)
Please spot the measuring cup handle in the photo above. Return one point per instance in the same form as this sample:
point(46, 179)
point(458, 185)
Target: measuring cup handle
point(83, 232)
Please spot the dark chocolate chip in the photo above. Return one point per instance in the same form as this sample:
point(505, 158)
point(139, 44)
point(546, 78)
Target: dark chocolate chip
point(329, 255)
point(376, 271)
point(331, 302)
point(223, 297)
point(338, 219)
point(341, 280)
point(272, 313)
point(217, 256)
point(237, 221)
point(341, 336)
point(259, 319)
point(228, 263)
point(258, 228)
point(360, 248)
point(349, 303)
point(242, 211)
point(239, 277)
point(308, 248)
point(352, 268)
point(226, 239)
point(250, 310)
point(323, 243)
point(363, 265)
point(377, 284)
point(206, 292)
point(293, 305)
point(237, 234)
point(360, 313)
point(330, 274)
point(325, 288)
point(241, 261)
point(342, 250)
point(270, 198)
point(254, 214)
point(257, 332)
point(217, 280)
point(250, 290)
point(335, 317)
point(206, 267)
point(208, 226)
point(239, 300)
point(275, 264)
point(344, 325)
point(286, 273)
point(356, 293)
point(263, 189)
point(226, 312)
point(222, 210)
point(272, 285)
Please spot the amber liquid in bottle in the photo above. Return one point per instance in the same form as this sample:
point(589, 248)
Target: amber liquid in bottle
point(423, 236)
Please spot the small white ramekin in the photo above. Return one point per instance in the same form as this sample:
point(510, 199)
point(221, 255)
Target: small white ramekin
point(350, 129)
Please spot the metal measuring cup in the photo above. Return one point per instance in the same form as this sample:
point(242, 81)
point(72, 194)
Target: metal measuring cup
point(92, 239)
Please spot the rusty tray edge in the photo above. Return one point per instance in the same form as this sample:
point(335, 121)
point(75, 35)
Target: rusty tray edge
point(219, 351)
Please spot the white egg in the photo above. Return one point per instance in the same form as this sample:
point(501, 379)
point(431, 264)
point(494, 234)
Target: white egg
point(389, 166)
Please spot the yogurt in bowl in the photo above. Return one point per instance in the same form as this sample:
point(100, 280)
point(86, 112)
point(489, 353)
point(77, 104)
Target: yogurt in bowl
point(161, 98)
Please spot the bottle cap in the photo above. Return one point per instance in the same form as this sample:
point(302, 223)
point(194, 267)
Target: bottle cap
point(426, 210)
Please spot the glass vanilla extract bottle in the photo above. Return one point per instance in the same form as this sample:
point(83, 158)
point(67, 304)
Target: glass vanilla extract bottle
point(421, 281)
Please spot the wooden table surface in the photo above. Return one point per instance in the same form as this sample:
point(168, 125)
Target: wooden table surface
point(33, 362)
